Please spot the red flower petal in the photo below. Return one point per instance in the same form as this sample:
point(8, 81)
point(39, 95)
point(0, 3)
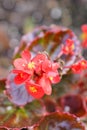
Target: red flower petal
point(46, 66)
point(84, 28)
point(56, 79)
point(53, 76)
point(45, 84)
point(84, 43)
point(26, 55)
point(20, 63)
point(17, 71)
point(76, 68)
point(39, 58)
point(21, 77)
point(69, 47)
point(83, 64)
point(55, 66)
point(35, 90)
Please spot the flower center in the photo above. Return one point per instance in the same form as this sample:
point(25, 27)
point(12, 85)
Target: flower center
point(33, 89)
point(72, 46)
point(51, 78)
point(21, 75)
point(31, 65)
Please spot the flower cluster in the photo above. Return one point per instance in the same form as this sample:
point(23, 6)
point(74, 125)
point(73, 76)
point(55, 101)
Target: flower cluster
point(84, 35)
point(37, 73)
point(79, 66)
point(69, 47)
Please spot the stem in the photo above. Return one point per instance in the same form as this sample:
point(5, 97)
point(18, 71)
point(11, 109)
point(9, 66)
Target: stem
point(60, 54)
point(67, 67)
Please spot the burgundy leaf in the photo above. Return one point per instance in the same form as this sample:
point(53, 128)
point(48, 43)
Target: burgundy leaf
point(50, 39)
point(59, 121)
point(50, 105)
point(22, 118)
point(17, 93)
point(74, 104)
point(2, 84)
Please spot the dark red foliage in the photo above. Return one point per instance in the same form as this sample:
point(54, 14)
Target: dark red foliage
point(2, 84)
point(50, 105)
point(74, 104)
point(49, 39)
point(59, 121)
point(42, 59)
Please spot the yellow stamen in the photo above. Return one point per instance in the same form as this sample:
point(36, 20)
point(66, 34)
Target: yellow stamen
point(72, 46)
point(83, 36)
point(33, 89)
point(21, 75)
point(31, 65)
point(51, 78)
point(83, 63)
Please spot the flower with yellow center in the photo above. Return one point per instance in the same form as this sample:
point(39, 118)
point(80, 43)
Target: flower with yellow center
point(84, 63)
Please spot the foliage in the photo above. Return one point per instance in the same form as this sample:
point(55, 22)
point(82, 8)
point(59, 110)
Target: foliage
point(47, 83)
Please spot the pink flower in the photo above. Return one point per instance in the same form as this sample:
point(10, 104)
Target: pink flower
point(24, 67)
point(20, 77)
point(39, 59)
point(35, 90)
point(49, 76)
point(84, 35)
point(25, 63)
point(84, 28)
point(69, 47)
point(78, 67)
point(37, 73)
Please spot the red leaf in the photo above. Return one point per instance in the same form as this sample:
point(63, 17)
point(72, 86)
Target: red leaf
point(74, 104)
point(59, 121)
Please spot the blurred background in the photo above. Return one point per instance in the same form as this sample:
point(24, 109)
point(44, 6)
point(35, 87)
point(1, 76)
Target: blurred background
point(17, 17)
